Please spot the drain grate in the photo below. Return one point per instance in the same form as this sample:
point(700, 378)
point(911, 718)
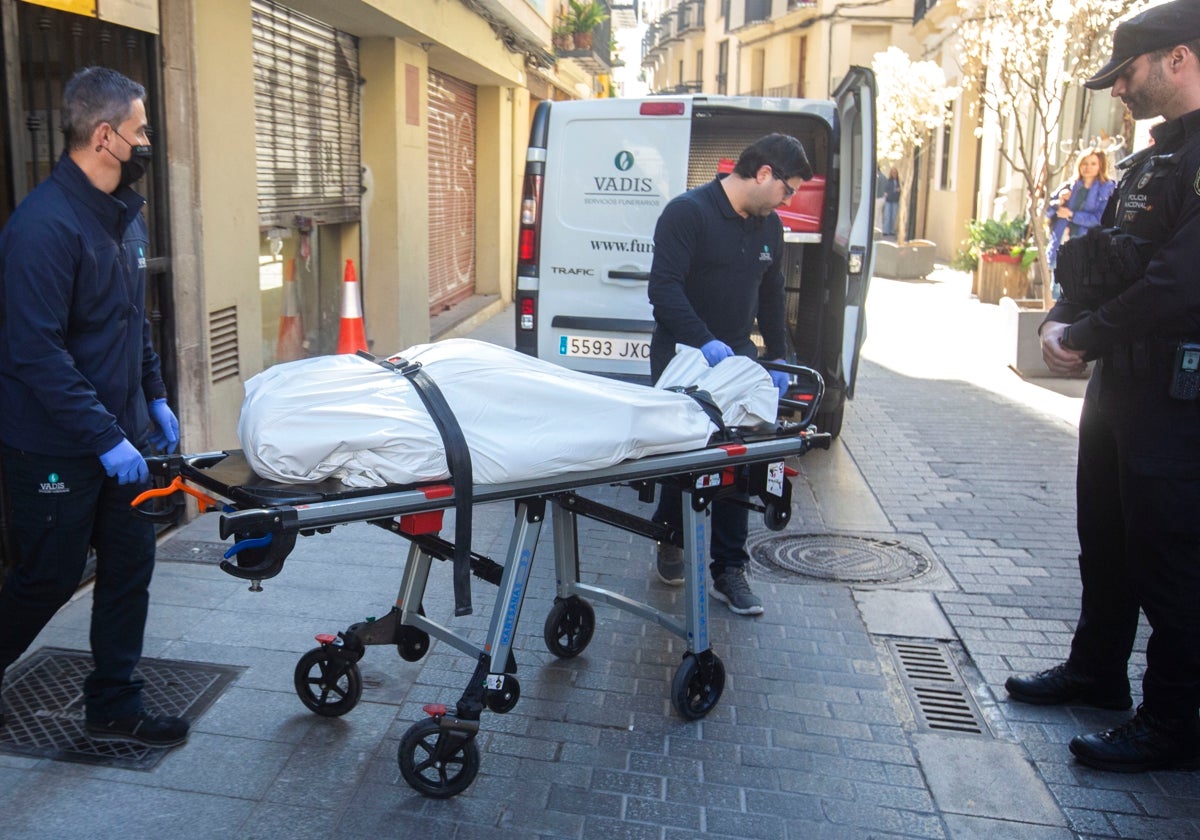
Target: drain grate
point(841, 557)
point(44, 696)
point(936, 691)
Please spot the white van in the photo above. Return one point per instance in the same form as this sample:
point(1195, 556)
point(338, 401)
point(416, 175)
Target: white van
point(598, 174)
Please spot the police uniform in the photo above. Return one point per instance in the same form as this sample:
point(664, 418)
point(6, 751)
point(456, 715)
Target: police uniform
point(1138, 484)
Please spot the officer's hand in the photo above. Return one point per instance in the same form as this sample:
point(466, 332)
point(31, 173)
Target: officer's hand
point(166, 437)
point(780, 380)
point(126, 464)
point(1059, 359)
point(714, 351)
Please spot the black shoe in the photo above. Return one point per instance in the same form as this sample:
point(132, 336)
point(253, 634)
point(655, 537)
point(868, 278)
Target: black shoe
point(669, 564)
point(1062, 684)
point(1145, 742)
point(732, 587)
point(144, 728)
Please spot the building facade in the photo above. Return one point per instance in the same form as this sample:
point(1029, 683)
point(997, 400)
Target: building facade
point(295, 142)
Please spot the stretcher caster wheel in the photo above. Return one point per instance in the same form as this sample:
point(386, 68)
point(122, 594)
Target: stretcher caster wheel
point(503, 700)
point(438, 762)
point(569, 626)
point(775, 516)
point(413, 644)
point(327, 684)
point(697, 685)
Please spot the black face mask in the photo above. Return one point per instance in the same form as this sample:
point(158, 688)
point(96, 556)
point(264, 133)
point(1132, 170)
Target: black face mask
point(133, 169)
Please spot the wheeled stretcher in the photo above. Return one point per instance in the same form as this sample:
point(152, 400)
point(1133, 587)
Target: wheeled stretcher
point(438, 756)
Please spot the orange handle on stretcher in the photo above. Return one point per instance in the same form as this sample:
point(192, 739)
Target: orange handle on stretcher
point(205, 501)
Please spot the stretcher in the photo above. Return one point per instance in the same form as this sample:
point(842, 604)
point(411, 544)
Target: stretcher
point(438, 756)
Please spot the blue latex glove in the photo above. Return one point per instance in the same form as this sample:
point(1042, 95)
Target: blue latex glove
point(781, 381)
point(126, 464)
point(714, 351)
point(166, 437)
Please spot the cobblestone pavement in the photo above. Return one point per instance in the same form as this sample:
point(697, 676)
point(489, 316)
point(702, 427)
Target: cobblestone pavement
point(826, 728)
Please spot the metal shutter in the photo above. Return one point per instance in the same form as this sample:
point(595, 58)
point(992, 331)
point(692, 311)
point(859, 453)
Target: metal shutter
point(451, 190)
point(306, 119)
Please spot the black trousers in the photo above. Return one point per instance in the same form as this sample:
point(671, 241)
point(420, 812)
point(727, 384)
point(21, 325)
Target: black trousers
point(59, 506)
point(730, 526)
point(1138, 496)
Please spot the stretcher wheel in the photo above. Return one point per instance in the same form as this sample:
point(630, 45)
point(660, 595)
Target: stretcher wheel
point(437, 762)
point(697, 685)
point(502, 700)
point(569, 626)
point(776, 516)
point(413, 644)
point(327, 684)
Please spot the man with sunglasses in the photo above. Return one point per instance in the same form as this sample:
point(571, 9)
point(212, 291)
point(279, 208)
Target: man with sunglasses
point(83, 396)
point(716, 273)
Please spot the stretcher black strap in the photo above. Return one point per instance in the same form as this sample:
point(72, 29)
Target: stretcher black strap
point(706, 402)
point(458, 459)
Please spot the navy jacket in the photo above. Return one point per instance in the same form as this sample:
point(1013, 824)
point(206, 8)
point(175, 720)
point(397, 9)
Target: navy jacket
point(77, 368)
point(714, 275)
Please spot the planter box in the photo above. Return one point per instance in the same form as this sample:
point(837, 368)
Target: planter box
point(1001, 275)
point(1021, 343)
point(910, 261)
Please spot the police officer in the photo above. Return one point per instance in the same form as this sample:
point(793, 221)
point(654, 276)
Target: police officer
point(1138, 480)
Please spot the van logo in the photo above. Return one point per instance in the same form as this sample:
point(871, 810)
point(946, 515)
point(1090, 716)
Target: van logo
point(624, 160)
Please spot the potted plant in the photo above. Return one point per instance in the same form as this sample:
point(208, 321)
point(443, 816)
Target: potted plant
point(1001, 253)
point(561, 36)
point(582, 18)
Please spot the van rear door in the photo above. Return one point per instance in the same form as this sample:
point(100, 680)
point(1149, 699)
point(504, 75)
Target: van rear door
point(611, 168)
point(854, 238)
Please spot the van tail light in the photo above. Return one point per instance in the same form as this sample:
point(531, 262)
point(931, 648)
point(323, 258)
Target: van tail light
point(525, 315)
point(531, 223)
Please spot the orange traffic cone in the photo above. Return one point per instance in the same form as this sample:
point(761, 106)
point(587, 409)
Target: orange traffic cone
point(290, 345)
point(351, 338)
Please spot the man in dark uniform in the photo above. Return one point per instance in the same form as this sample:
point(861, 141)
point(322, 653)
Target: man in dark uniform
point(83, 394)
point(717, 253)
point(1138, 481)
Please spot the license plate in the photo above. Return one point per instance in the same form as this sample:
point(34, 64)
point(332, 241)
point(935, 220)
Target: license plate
point(603, 348)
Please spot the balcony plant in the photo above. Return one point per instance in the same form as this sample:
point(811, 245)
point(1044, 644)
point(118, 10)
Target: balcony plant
point(582, 18)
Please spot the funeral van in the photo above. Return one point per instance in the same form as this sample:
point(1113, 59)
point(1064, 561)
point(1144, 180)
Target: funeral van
point(599, 172)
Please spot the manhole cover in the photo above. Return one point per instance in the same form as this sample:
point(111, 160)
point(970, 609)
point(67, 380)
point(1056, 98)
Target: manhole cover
point(843, 558)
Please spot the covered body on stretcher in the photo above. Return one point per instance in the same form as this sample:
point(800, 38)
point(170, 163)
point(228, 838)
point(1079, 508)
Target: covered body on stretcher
point(438, 756)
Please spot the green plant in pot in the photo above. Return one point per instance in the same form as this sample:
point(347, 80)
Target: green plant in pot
point(583, 16)
point(1003, 240)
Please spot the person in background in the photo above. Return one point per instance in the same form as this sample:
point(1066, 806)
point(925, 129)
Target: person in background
point(891, 202)
point(1077, 205)
point(1137, 485)
point(83, 395)
point(715, 274)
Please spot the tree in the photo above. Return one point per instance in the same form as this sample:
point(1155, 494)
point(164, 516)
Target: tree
point(912, 103)
point(1019, 57)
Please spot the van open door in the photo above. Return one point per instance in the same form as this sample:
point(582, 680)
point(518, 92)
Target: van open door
point(854, 238)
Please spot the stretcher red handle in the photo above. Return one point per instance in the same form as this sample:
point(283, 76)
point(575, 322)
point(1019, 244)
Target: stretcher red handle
point(175, 485)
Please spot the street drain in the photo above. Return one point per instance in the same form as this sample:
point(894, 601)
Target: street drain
point(841, 557)
point(44, 695)
point(936, 691)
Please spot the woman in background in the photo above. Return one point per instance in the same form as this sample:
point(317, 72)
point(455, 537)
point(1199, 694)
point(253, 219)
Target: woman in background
point(1078, 205)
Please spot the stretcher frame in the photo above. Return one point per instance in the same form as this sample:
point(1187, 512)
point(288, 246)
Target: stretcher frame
point(438, 756)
